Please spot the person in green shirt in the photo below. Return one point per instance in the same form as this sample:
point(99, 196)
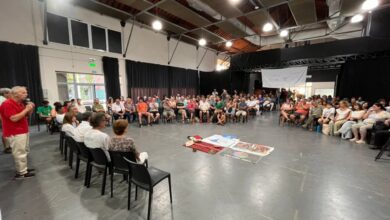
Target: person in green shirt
point(44, 111)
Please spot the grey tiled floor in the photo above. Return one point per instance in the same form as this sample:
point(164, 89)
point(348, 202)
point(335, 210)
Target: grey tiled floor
point(308, 176)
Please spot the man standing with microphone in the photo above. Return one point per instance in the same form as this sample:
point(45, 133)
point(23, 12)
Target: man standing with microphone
point(14, 113)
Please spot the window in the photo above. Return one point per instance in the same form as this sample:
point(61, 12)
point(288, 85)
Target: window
point(57, 27)
point(80, 34)
point(114, 41)
point(98, 38)
point(76, 33)
point(83, 86)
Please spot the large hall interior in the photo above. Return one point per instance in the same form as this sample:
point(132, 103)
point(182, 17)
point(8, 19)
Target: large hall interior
point(195, 109)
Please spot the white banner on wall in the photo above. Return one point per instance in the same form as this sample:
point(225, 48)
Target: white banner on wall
point(284, 78)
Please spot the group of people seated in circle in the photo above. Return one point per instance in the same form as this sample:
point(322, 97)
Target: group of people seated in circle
point(90, 131)
point(349, 118)
point(212, 108)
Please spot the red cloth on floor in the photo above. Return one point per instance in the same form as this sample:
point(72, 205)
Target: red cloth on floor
point(206, 147)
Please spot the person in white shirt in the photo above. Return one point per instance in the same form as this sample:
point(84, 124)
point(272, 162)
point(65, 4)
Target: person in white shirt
point(118, 110)
point(355, 117)
point(67, 125)
point(342, 114)
point(374, 114)
point(95, 138)
point(80, 106)
point(252, 104)
point(204, 107)
point(327, 114)
point(83, 127)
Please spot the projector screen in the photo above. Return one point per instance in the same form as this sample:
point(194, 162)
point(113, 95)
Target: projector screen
point(284, 78)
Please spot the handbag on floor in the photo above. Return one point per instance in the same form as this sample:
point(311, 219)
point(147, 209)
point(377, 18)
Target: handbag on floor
point(325, 129)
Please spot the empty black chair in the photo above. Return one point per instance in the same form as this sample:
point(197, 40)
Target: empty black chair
point(146, 178)
point(119, 165)
point(86, 156)
point(101, 163)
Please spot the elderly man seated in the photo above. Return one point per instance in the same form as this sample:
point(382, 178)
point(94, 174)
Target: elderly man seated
point(315, 113)
point(118, 110)
point(242, 110)
point(97, 107)
point(204, 108)
point(168, 112)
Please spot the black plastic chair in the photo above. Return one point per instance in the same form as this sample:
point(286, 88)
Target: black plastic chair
point(119, 165)
point(86, 156)
point(101, 163)
point(384, 148)
point(71, 143)
point(62, 140)
point(146, 178)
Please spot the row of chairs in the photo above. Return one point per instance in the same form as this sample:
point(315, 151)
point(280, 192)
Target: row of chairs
point(124, 163)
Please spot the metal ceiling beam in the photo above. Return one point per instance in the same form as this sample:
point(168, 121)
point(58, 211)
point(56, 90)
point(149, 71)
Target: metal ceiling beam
point(147, 26)
point(150, 7)
point(243, 14)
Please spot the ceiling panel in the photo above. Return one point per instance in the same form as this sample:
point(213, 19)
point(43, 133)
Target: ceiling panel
point(210, 37)
point(137, 4)
point(222, 7)
point(304, 11)
point(268, 3)
point(167, 26)
point(231, 29)
point(258, 18)
point(100, 8)
point(350, 7)
point(184, 13)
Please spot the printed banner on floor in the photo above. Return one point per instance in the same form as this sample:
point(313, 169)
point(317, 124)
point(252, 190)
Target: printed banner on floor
point(284, 78)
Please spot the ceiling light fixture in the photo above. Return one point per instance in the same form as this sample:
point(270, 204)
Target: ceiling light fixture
point(370, 4)
point(357, 18)
point(234, 2)
point(202, 42)
point(284, 33)
point(228, 44)
point(268, 27)
point(157, 25)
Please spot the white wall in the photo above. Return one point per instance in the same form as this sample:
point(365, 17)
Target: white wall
point(21, 21)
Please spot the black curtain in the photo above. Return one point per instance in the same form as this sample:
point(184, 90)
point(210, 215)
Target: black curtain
point(147, 79)
point(229, 80)
point(183, 81)
point(111, 77)
point(369, 79)
point(19, 66)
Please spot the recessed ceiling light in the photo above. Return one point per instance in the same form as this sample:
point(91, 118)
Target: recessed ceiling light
point(228, 43)
point(357, 18)
point(370, 4)
point(268, 27)
point(234, 2)
point(202, 42)
point(157, 25)
point(284, 33)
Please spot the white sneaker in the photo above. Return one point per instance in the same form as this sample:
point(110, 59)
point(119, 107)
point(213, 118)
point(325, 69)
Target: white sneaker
point(360, 142)
point(353, 139)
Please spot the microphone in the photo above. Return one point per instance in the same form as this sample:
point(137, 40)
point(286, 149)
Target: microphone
point(26, 101)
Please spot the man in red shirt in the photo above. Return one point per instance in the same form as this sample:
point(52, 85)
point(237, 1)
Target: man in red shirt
point(15, 128)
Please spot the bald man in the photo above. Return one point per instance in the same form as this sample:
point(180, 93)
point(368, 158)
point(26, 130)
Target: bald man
point(14, 113)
